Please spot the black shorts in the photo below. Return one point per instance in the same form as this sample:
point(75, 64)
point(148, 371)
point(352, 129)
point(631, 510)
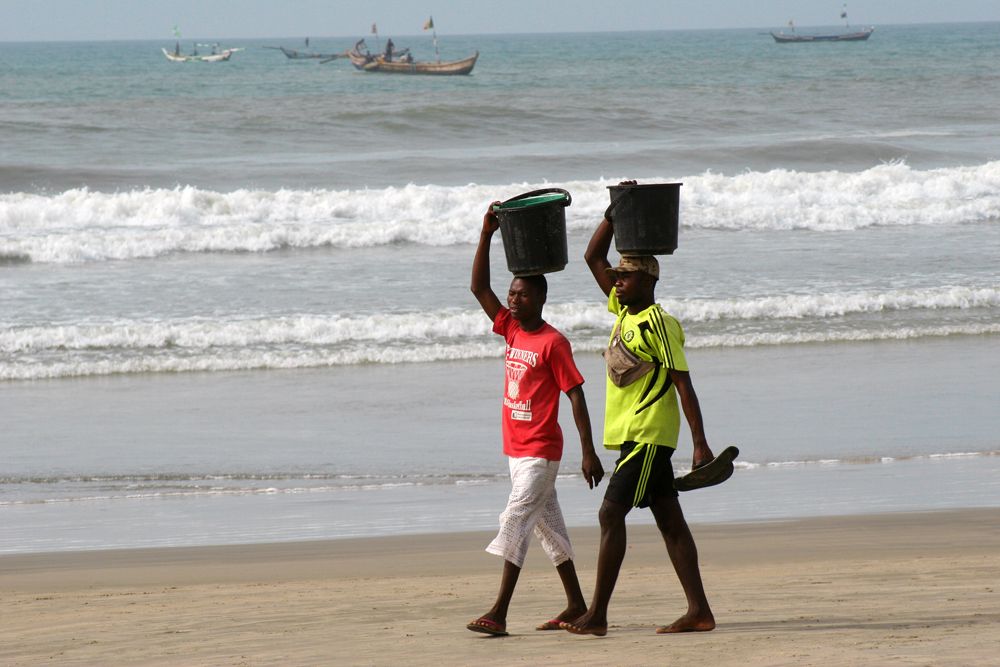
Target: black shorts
point(642, 474)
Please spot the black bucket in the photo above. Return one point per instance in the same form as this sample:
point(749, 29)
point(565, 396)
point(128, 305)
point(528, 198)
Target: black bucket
point(533, 227)
point(645, 218)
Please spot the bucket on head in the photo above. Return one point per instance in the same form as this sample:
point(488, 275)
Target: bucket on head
point(533, 227)
point(644, 218)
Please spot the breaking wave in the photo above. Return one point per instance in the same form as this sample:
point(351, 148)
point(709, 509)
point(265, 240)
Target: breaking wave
point(86, 226)
point(312, 340)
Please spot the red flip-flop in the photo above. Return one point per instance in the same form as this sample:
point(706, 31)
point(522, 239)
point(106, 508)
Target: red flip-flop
point(554, 624)
point(488, 626)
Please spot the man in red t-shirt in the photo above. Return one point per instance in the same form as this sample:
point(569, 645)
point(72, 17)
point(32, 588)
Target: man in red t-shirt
point(539, 366)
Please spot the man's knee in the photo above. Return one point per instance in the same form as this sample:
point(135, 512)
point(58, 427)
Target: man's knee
point(668, 514)
point(611, 514)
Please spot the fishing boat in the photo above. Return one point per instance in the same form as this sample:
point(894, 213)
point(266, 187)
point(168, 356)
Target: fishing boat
point(401, 62)
point(214, 57)
point(308, 55)
point(847, 36)
point(370, 63)
point(857, 36)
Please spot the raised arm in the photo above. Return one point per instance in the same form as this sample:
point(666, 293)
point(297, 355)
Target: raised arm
point(596, 255)
point(481, 266)
point(692, 412)
point(593, 470)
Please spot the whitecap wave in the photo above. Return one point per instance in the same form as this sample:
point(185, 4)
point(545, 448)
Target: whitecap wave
point(402, 333)
point(84, 226)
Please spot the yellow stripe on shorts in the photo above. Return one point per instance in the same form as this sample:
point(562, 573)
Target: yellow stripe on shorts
point(647, 465)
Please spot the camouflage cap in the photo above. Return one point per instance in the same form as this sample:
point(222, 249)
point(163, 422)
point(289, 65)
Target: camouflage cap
point(637, 263)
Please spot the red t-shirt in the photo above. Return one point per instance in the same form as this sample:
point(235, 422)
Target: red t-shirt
point(539, 365)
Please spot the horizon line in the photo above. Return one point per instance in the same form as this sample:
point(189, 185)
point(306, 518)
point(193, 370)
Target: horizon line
point(479, 34)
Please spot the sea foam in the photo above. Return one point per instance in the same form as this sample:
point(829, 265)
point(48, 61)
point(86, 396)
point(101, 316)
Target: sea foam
point(83, 226)
point(321, 340)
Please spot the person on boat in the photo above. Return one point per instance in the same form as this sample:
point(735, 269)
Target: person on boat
point(539, 366)
point(367, 55)
point(389, 46)
point(642, 422)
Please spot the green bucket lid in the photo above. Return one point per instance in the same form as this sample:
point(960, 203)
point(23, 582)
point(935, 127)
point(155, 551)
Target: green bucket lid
point(531, 201)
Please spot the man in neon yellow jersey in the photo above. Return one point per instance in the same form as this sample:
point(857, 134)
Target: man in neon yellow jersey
point(647, 371)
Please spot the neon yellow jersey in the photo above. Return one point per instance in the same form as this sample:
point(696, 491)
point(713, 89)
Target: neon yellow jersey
point(646, 410)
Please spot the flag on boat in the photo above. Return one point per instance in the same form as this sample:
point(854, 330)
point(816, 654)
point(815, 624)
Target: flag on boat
point(791, 23)
point(177, 33)
point(843, 15)
point(429, 23)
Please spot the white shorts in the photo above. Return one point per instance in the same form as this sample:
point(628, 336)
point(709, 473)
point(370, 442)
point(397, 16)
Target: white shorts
point(532, 507)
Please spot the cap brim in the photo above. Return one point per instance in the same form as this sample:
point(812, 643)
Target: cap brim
point(618, 269)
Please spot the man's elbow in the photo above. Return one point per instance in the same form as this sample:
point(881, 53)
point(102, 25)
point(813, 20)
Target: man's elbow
point(681, 380)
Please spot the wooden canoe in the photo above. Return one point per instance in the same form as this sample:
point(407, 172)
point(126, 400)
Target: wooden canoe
point(310, 55)
point(222, 56)
point(786, 38)
point(378, 63)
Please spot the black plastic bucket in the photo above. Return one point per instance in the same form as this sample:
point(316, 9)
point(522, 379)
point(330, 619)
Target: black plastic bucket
point(645, 218)
point(533, 227)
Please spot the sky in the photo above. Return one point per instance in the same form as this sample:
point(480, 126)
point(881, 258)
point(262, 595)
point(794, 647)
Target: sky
point(86, 20)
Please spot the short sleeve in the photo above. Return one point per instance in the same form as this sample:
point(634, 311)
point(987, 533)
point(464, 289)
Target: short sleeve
point(670, 339)
point(563, 366)
point(502, 322)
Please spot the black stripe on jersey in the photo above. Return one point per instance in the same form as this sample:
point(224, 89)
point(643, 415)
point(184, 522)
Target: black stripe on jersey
point(667, 383)
point(650, 384)
point(644, 328)
point(657, 329)
point(656, 317)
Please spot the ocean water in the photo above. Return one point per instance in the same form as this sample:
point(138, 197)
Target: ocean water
point(234, 297)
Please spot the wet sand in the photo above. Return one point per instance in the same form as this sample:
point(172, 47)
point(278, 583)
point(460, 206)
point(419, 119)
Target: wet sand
point(903, 589)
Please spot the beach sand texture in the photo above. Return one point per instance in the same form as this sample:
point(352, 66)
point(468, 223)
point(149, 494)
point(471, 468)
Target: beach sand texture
point(891, 589)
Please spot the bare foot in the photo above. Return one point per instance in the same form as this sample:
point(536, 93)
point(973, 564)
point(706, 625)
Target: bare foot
point(586, 625)
point(688, 623)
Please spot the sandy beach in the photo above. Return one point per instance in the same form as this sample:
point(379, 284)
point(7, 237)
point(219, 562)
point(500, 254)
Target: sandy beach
point(899, 589)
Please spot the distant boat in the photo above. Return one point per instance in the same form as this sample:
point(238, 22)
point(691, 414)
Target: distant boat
point(215, 56)
point(405, 64)
point(308, 55)
point(392, 61)
point(379, 64)
point(847, 36)
point(858, 36)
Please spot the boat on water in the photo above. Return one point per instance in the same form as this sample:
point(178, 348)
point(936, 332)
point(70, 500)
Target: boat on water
point(294, 54)
point(857, 36)
point(402, 62)
point(380, 64)
point(391, 61)
point(215, 56)
point(848, 35)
